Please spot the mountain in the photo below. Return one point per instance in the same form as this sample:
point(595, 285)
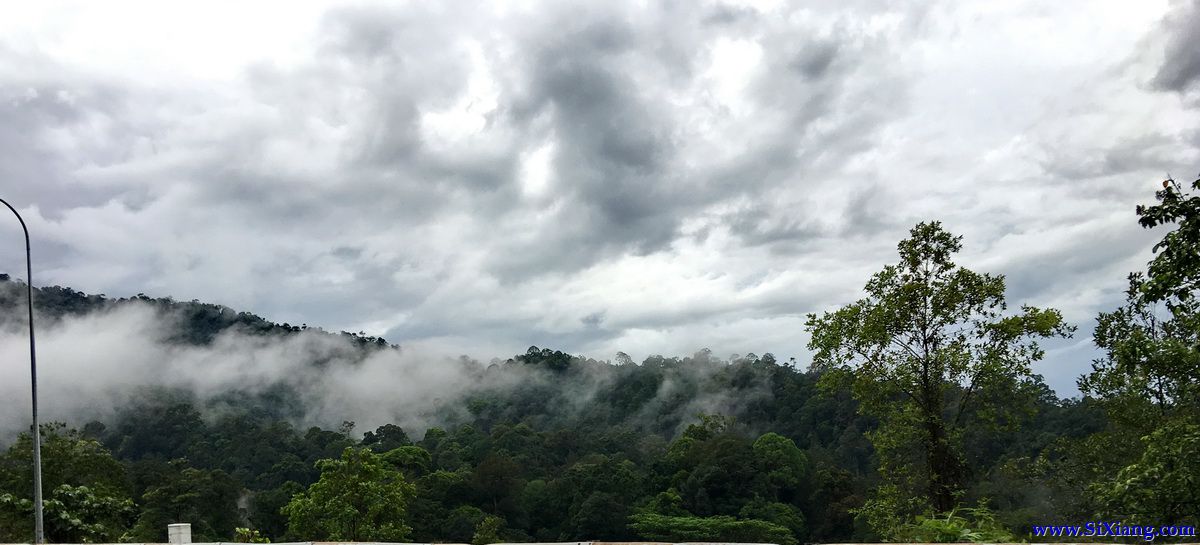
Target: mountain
point(542, 445)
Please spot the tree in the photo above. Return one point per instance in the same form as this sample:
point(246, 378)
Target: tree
point(357, 498)
point(161, 426)
point(73, 514)
point(918, 350)
point(205, 498)
point(602, 516)
point(68, 458)
point(724, 529)
point(266, 505)
point(782, 514)
point(1151, 366)
point(386, 437)
point(488, 530)
point(1148, 380)
point(572, 453)
point(962, 525)
point(87, 496)
point(782, 467)
point(1174, 273)
point(715, 475)
point(497, 479)
point(597, 492)
point(460, 524)
point(1148, 374)
point(1164, 484)
point(411, 460)
point(249, 535)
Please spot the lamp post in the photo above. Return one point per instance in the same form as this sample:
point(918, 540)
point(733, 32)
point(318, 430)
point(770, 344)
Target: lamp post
point(39, 535)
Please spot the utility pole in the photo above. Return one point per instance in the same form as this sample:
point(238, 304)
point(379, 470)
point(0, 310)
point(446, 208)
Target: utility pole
point(39, 535)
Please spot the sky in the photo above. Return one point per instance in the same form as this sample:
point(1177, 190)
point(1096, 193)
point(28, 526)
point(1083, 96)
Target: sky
point(646, 177)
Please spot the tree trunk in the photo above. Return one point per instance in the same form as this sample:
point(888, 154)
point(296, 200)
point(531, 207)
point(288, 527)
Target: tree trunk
point(944, 467)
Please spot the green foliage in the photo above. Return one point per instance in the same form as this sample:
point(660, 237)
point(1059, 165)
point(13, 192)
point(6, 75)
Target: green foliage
point(924, 351)
point(411, 460)
point(386, 437)
point(782, 467)
point(87, 496)
point(1151, 361)
point(67, 458)
point(73, 514)
point(433, 510)
point(667, 503)
point(357, 498)
point(599, 514)
point(1163, 484)
point(1152, 343)
point(783, 514)
point(1174, 273)
point(205, 498)
point(1149, 380)
point(247, 535)
point(461, 523)
point(488, 530)
point(719, 528)
point(550, 476)
point(717, 476)
point(553, 360)
point(266, 506)
point(960, 525)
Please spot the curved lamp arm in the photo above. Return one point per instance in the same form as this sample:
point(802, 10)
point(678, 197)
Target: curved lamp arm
point(38, 533)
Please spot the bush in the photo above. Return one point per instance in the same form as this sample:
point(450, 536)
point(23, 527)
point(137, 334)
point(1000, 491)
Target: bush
point(719, 529)
point(969, 524)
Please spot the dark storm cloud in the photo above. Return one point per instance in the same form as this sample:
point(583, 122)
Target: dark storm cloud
point(1180, 69)
point(29, 113)
point(374, 74)
point(1074, 256)
point(624, 177)
point(723, 14)
point(614, 147)
point(1150, 151)
point(814, 60)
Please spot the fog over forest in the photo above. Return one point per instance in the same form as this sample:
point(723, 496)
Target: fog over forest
point(95, 362)
point(732, 271)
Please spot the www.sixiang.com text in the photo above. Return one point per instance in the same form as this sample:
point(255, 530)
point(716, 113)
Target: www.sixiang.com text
point(1101, 529)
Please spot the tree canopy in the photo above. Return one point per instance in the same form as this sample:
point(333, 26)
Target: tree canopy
point(356, 498)
point(920, 352)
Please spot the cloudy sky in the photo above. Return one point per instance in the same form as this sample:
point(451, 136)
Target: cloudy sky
point(651, 177)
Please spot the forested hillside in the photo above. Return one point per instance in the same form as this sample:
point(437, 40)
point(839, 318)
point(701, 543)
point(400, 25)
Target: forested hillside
point(918, 418)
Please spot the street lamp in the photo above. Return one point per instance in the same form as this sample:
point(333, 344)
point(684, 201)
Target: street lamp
point(39, 535)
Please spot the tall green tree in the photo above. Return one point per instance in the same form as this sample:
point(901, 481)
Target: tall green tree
point(1149, 377)
point(918, 351)
point(782, 468)
point(357, 498)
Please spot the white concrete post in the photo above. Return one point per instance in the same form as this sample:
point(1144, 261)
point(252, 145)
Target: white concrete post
point(179, 534)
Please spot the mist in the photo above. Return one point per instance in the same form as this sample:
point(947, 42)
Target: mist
point(89, 366)
point(92, 366)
